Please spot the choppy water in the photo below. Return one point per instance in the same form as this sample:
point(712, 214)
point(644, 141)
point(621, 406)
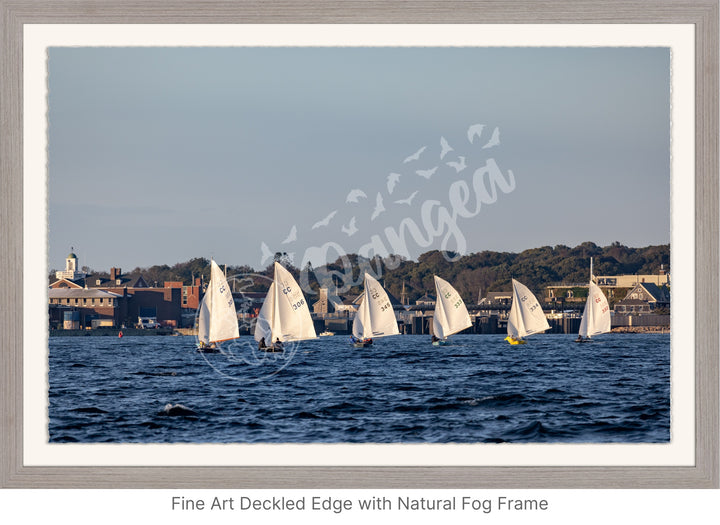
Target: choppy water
point(402, 389)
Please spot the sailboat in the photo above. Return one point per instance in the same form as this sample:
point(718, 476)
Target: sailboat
point(526, 315)
point(596, 316)
point(375, 316)
point(217, 320)
point(451, 315)
point(285, 315)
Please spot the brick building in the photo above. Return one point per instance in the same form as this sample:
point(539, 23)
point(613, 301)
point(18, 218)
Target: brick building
point(129, 294)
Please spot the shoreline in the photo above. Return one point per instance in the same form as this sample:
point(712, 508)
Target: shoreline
point(641, 330)
point(105, 332)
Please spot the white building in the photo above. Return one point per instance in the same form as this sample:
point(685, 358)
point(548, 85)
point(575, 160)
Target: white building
point(71, 272)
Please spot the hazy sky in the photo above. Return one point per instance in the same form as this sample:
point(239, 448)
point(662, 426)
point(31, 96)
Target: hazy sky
point(160, 155)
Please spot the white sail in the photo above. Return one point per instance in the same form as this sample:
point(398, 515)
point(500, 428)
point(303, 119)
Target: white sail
point(526, 315)
point(451, 315)
point(265, 317)
point(217, 320)
point(596, 316)
point(285, 314)
point(362, 327)
point(375, 316)
point(204, 318)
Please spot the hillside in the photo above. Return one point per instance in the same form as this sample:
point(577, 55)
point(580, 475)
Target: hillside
point(471, 274)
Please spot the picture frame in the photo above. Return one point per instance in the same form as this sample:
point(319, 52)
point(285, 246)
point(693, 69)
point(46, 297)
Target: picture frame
point(703, 14)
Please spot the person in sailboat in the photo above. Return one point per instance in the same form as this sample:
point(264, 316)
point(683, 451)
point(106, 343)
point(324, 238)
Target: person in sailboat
point(435, 339)
point(261, 344)
point(278, 345)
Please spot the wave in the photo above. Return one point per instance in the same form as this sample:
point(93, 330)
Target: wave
point(534, 430)
point(176, 410)
point(306, 415)
point(89, 410)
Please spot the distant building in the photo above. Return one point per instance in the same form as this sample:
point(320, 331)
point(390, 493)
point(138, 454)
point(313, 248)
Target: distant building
point(662, 278)
point(83, 308)
point(70, 272)
point(613, 286)
point(496, 298)
point(644, 298)
point(328, 303)
point(190, 295)
point(425, 300)
point(134, 302)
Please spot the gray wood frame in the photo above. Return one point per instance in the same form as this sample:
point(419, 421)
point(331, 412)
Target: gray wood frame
point(702, 13)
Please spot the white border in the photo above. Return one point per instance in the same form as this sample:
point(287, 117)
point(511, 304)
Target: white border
point(38, 452)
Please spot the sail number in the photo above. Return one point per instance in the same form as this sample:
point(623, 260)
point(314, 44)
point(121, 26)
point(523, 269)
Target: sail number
point(385, 307)
point(299, 304)
point(222, 289)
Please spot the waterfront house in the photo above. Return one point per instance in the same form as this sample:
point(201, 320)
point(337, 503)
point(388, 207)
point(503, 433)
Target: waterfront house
point(426, 300)
point(644, 298)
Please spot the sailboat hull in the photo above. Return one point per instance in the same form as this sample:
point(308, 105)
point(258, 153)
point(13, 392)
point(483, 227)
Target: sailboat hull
point(440, 343)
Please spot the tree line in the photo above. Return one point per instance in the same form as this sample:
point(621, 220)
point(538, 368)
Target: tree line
point(472, 274)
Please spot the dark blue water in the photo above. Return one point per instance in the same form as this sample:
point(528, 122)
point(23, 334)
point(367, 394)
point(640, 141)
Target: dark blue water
point(402, 389)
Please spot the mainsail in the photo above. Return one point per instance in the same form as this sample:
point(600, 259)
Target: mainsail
point(285, 314)
point(526, 316)
point(596, 316)
point(217, 320)
point(375, 316)
point(451, 315)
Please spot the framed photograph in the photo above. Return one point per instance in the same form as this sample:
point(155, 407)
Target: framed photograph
point(317, 165)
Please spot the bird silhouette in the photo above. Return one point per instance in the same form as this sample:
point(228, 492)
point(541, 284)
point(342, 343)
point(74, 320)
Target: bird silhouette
point(445, 148)
point(427, 173)
point(415, 156)
point(325, 221)
point(459, 166)
point(494, 140)
point(350, 229)
point(475, 129)
point(292, 236)
point(379, 208)
point(355, 195)
point(392, 181)
point(407, 201)
point(265, 253)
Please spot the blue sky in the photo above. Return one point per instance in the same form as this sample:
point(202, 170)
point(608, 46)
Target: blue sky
point(159, 155)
